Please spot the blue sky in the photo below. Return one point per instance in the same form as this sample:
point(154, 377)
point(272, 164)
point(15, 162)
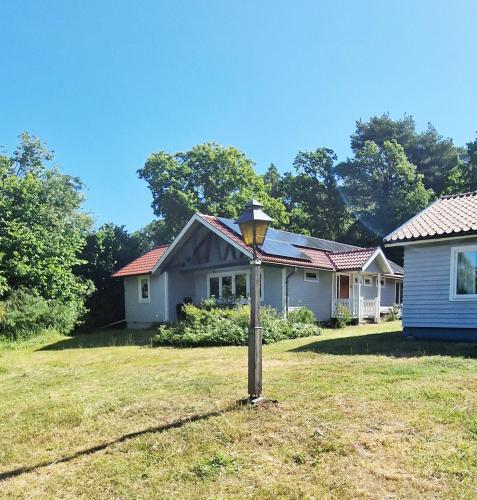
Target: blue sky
point(108, 82)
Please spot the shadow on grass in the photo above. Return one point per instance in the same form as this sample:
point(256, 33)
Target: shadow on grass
point(125, 437)
point(391, 344)
point(105, 338)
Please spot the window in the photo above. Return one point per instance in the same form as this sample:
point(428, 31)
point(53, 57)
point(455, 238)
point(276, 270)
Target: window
point(382, 282)
point(311, 276)
point(463, 284)
point(230, 284)
point(143, 284)
point(398, 293)
point(367, 281)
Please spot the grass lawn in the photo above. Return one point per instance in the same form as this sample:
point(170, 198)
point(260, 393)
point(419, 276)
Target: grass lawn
point(362, 413)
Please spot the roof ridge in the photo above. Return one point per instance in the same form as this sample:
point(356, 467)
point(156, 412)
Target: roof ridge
point(458, 195)
point(364, 249)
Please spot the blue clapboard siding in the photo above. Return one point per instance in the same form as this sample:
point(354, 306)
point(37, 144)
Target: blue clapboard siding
point(314, 295)
point(426, 289)
point(144, 314)
point(273, 293)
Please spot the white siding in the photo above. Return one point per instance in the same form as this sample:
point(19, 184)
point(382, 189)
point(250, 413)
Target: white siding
point(143, 315)
point(426, 289)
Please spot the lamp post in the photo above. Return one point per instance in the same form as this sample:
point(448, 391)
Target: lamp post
point(253, 226)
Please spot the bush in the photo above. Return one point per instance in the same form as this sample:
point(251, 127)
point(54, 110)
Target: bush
point(394, 314)
point(209, 326)
point(343, 316)
point(302, 315)
point(25, 314)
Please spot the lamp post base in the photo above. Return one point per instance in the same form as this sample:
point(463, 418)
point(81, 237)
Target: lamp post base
point(258, 401)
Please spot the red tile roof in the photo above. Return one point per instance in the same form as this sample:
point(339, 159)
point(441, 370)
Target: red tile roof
point(452, 215)
point(143, 264)
point(319, 259)
point(354, 259)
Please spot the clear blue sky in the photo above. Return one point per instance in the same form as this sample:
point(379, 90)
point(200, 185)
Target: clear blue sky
point(108, 82)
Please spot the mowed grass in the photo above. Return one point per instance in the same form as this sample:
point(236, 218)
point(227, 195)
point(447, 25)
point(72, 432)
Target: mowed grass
point(362, 413)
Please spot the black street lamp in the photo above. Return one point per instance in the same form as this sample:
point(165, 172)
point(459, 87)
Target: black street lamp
point(253, 226)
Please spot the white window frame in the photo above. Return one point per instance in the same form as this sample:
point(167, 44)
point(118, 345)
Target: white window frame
point(453, 296)
point(140, 298)
point(312, 280)
point(367, 278)
point(382, 283)
point(232, 274)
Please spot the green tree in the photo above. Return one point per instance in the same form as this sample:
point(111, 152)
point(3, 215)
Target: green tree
point(433, 155)
point(209, 179)
point(42, 227)
point(463, 177)
point(107, 249)
point(382, 187)
point(312, 196)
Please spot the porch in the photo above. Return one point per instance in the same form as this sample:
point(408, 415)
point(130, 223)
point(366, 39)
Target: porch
point(359, 308)
point(359, 293)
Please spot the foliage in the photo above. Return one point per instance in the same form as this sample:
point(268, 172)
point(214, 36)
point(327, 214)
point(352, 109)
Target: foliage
point(382, 187)
point(107, 249)
point(302, 315)
point(42, 230)
point(206, 326)
point(312, 196)
point(26, 314)
point(343, 316)
point(209, 179)
point(433, 155)
point(394, 314)
point(463, 177)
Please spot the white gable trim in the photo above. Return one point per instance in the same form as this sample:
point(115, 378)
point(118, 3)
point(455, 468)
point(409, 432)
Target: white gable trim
point(429, 240)
point(197, 218)
point(390, 235)
point(378, 253)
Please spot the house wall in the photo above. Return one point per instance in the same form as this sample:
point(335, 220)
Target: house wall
point(144, 314)
point(273, 290)
point(427, 309)
point(314, 295)
point(388, 293)
point(371, 292)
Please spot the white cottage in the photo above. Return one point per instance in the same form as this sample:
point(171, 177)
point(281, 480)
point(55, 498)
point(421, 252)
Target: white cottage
point(209, 259)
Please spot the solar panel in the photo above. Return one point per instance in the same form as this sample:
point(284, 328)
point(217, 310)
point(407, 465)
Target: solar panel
point(296, 239)
point(272, 245)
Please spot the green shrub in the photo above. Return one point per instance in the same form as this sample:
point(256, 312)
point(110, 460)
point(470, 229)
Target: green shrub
point(25, 314)
point(207, 326)
point(393, 314)
point(302, 315)
point(343, 316)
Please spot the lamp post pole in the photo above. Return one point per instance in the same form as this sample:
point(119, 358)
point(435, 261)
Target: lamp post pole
point(253, 226)
point(255, 333)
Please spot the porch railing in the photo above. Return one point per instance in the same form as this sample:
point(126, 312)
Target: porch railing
point(359, 308)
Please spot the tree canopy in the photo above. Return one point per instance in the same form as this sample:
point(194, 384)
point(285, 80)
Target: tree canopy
point(42, 227)
point(209, 179)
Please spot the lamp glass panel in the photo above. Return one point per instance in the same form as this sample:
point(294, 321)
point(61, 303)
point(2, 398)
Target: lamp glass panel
point(247, 232)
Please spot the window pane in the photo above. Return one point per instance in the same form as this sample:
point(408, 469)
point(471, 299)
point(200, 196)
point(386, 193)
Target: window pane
point(311, 276)
point(144, 288)
point(466, 273)
point(241, 285)
point(226, 286)
point(214, 287)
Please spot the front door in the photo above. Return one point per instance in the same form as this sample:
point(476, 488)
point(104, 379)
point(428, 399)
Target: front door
point(342, 286)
